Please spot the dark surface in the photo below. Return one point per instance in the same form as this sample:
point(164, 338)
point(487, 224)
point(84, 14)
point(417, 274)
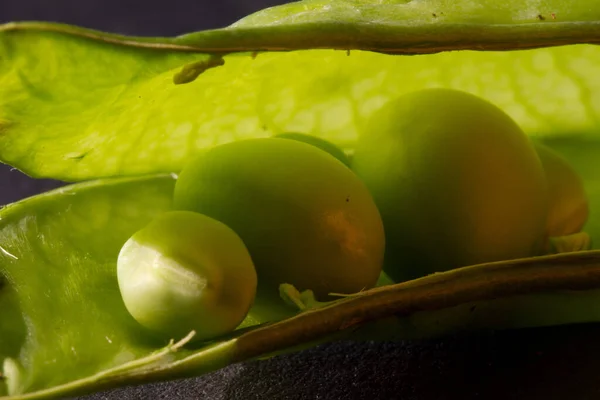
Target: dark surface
point(550, 363)
point(135, 17)
point(15, 186)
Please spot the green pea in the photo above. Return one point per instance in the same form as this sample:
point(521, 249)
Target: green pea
point(306, 218)
point(456, 180)
point(568, 209)
point(319, 143)
point(185, 271)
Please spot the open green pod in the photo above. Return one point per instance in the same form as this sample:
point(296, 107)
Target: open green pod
point(77, 105)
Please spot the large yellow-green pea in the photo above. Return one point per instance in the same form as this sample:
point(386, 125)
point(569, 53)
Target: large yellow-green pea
point(568, 207)
point(456, 180)
point(306, 218)
point(185, 271)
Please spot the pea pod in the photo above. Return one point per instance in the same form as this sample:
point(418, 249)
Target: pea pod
point(77, 104)
point(85, 340)
point(47, 68)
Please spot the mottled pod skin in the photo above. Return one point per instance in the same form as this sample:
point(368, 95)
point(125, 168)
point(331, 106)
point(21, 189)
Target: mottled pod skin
point(568, 207)
point(305, 217)
point(185, 271)
point(456, 180)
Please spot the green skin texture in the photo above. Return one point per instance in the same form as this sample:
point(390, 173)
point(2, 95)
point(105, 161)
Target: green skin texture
point(319, 143)
point(312, 224)
point(185, 271)
point(458, 185)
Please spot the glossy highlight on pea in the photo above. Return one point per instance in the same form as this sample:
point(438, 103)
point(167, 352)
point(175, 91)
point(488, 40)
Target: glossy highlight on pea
point(186, 272)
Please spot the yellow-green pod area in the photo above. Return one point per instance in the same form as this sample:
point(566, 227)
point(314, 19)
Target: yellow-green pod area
point(186, 272)
point(568, 207)
point(306, 218)
point(456, 180)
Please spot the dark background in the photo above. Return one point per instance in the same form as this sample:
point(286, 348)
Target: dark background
point(550, 363)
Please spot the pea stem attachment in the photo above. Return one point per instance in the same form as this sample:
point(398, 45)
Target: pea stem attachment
point(569, 243)
point(190, 72)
